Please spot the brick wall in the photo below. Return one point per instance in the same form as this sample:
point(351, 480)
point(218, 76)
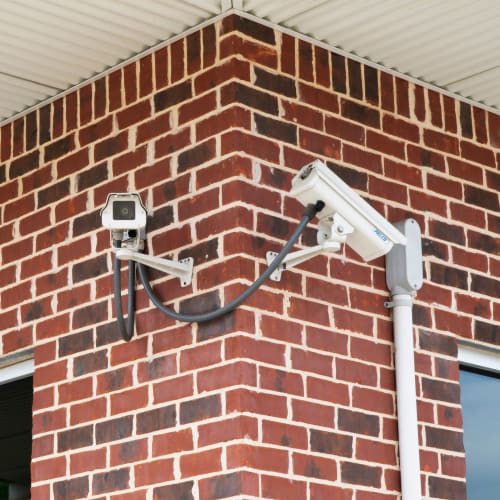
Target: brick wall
point(291, 395)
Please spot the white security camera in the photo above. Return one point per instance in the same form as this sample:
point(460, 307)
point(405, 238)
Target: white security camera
point(124, 212)
point(368, 234)
point(125, 216)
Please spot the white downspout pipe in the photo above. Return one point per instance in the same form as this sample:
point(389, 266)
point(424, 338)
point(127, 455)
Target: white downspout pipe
point(409, 456)
point(404, 277)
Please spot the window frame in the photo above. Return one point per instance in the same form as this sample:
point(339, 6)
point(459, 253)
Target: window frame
point(17, 371)
point(478, 357)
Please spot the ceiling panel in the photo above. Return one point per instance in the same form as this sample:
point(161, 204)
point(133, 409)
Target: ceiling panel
point(47, 47)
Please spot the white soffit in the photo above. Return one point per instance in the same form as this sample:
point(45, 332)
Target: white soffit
point(452, 44)
point(49, 46)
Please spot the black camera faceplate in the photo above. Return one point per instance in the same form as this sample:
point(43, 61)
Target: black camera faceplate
point(123, 210)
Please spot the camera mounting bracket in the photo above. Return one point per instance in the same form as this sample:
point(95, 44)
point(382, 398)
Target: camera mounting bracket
point(332, 232)
point(182, 269)
point(132, 239)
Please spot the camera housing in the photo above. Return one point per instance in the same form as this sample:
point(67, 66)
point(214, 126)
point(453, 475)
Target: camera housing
point(371, 235)
point(125, 216)
point(124, 212)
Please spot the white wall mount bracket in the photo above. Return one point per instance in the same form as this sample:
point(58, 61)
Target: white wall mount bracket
point(182, 269)
point(332, 232)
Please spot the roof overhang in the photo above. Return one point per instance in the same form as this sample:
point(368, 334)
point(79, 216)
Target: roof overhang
point(48, 48)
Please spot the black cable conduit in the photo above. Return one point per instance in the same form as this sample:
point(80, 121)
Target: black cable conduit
point(127, 330)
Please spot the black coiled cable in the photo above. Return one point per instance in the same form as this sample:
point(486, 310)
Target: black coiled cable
point(127, 330)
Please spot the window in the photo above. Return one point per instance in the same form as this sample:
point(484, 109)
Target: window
point(16, 399)
point(480, 396)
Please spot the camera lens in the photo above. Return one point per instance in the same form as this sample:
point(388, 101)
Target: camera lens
point(123, 210)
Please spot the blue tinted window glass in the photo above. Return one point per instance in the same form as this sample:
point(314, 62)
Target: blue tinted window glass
point(481, 413)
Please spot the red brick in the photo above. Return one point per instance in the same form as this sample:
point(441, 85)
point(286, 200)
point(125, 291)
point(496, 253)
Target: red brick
point(76, 390)
point(172, 442)
point(17, 339)
point(197, 107)
point(316, 467)
point(87, 460)
point(309, 311)
point(332, 293)
point(17, 250)
point(43, 398)
point(283, 434)
point(126, 352)
point(173, 389)
point(403, 172)
point(90, 410)
point(385, 145)
point(353, 371)
point(85, 104)
point(373, 400)
point(237, 216)
point(237, 373)
point(257, 457)
point(202, 462)
point(232, 428)
point(38, 264)
point(129, 161)
point(230, 484)
point(443, 142)
point(373, 352)
point(281, 381)
point(444, 186)
point(375, 451)
point(362, 158)
point(243, 347)
point(48, 374)
point(136, 113)
point(281, 329)
point(312, 362)
point(450, 322)
point(313, 413)
point(244, 400)
point(241, 142)
point(427, 201)
point(326, 390)
point(129, 400)
point(249, 49)
point(157, 126)
point(43, 470)
point(450, 118)
point(353, 321)
point(154, 471)
point(15, 295)
point(312, 118)
point(318, 98)
point(453, 465)
point(435, 108)
point(282, 487)
point(321, 144)
point(127, 452)
point(42, 446)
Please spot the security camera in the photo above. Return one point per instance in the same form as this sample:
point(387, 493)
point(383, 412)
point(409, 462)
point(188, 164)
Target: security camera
point(125, 216)
point(123, 212)
point(369, 234)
